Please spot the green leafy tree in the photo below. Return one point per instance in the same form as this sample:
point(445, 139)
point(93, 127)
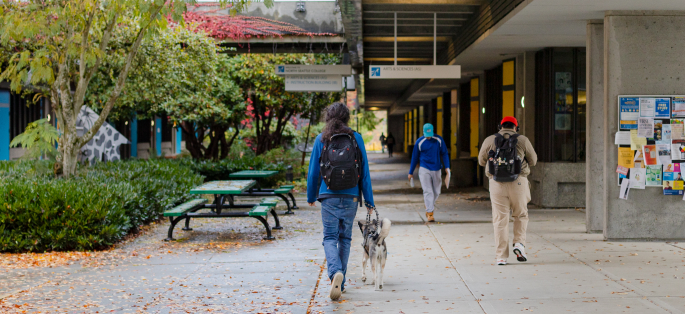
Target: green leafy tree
point(60, 45)
point(270, 106)
point(38, 140)
point(180, 74)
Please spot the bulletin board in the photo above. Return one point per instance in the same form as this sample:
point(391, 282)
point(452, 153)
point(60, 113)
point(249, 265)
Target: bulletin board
point(651, 142)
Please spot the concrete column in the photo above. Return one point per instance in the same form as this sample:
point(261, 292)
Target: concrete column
point(518, 87)
point(528, 124)
point(594, 199)
point(643, 55)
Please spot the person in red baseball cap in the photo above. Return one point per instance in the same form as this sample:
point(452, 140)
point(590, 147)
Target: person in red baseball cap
point(507, 157)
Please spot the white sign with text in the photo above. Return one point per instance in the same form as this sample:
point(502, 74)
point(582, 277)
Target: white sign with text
point(313, 83)
point(415, 71)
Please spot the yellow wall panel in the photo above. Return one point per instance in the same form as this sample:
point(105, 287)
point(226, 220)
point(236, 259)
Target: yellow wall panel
point(474, 128)
point(508, 73)
point(438, 128)
point(474, 87)
point(508, 103)
point(453, 145)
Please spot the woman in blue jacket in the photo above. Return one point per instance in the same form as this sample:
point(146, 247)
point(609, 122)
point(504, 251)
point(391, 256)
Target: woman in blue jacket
point(338, 207)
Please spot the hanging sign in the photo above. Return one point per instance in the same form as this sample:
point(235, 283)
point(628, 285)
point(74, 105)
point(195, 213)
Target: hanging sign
point(313, 83)
point(415, 72)
point(318, 69)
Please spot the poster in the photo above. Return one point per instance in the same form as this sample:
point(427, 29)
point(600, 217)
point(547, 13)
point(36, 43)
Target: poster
point(678, 107)
point(653, 176)
point(625, 157)
point(636, 142)
point(663, 108)
point(647, 107)
point(677, 129)
point(665, 134)
point(563, 81)
point(649, 154)
point(678, 150)
point(622, 138)
point(664, 153)
point(638, 178)
point(625, 188)
point(622, 170)
point(629, 112)
point(658, 135)
point(645, 127)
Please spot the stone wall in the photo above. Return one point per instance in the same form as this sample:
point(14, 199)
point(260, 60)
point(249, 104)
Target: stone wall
point(558, 184)
point(643, 54)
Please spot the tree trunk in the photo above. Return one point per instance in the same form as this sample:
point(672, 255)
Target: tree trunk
point(70, 152)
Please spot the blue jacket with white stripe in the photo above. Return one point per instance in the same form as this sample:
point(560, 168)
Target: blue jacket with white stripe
point(427, 152)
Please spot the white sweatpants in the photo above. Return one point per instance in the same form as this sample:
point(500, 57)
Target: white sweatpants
point(431, 182)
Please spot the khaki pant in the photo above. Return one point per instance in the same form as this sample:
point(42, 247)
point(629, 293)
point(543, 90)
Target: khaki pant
point(509, 196)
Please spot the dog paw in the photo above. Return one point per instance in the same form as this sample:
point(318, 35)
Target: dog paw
point(363, 278)
point(380, 287)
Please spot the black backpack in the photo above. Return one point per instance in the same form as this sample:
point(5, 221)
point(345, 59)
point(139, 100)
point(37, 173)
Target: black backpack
point(504, 163)
point(341, 162)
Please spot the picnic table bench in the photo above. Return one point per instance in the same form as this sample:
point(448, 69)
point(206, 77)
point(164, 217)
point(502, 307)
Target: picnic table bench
point(283, 192)
point(223, 191)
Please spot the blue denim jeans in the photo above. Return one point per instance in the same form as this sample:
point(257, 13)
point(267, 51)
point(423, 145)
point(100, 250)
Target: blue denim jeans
point(337, 215)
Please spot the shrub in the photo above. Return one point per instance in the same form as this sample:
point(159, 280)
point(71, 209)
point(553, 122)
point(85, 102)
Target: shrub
point(96, 209)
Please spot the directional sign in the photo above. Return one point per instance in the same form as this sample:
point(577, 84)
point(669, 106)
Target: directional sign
point(291, 69)
point(415, 72)
point(313, 83)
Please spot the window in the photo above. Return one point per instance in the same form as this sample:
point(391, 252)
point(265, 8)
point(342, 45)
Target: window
point(560, 90)
point(22, 112)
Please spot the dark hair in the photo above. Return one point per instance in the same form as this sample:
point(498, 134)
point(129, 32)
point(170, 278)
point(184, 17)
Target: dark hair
point(337, 116)
point(508, 125)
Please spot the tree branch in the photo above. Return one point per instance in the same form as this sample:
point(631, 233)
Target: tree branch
point(120, 81)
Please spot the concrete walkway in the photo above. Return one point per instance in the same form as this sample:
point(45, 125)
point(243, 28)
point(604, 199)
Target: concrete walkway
point(445, 267)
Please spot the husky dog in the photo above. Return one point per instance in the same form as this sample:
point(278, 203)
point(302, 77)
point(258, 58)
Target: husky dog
point(375, 249)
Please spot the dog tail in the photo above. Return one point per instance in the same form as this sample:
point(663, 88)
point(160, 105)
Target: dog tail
point(385, 230)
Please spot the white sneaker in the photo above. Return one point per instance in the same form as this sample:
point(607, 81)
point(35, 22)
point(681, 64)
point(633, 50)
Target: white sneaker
point(520, 252)
point(501, 261)
point(336, 284)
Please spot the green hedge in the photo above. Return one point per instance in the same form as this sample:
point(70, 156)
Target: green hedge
point(41, 213)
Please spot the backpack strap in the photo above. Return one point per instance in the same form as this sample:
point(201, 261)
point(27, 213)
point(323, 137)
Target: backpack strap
point(360, 163)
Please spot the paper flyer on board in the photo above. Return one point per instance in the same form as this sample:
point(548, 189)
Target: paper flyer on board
point(638, 178)
point(625, 157)
point(625, 184)
point(647, 107)
point(677, 129)
point(657, 135)
point(664, 153)
point(662, 108)
point(672, 180)
point(653, 176)
point(630, 111)
point(678, 150)
point(678, 107)
point(645, 127)
point(665, 137)
point(636, 142)
point(622, 170)
point(622, 138)
point(649, 154)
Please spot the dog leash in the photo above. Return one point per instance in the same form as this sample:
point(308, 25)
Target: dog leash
point(368, 221)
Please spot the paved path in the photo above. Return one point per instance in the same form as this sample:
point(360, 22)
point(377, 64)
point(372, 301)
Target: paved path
point(445, 267)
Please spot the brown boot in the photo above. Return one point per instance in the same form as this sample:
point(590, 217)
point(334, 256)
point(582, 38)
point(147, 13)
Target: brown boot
point(430, 217)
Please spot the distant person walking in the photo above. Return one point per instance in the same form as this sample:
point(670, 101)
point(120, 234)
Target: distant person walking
point(338, 177)
point(507, 157)
point(390, 142)
point(382, 139)
point(428, 152)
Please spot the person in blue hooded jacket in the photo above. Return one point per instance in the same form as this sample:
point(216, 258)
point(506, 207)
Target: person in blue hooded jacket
point(338, 207)
point(430, 152)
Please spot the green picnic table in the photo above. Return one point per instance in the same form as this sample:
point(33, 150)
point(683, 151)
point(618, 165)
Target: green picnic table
point(223, 191)
point(259, 191)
